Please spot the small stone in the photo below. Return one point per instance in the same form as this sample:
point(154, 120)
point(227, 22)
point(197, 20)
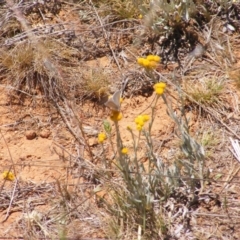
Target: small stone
point(92, 142)
point(30, 135)
point(44, 133)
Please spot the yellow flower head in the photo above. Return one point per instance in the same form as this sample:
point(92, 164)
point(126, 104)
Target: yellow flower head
point(154, 58)
point(139, 120)
point(146, 63)
point(159, 85)
point(101, 137)
point(159, 88)
point(143, 62)
point(139, 127)
point(8, 175)
point(116, 116)
point(140, 61)
point(145, 117)
point(150, 57)
point(159, 91)
point(149, 62)
point(152, 64)
point(124, 150)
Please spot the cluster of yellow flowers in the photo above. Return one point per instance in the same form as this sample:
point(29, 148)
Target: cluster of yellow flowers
point(159, 88)
point(140, 121)
point(149, 62)
point(101, 137)
point(124, 150)
point(8, 175)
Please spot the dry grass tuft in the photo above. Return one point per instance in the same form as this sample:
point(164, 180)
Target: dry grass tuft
point(206, 92)
point(26, 65)
point(118, 9)
point(96, 84)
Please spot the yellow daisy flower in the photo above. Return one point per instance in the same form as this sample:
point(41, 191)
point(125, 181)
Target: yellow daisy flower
point(124, 150)
point(140, 61)
point(8, 175)
point(145, 117)
point(159, 85)
point(149, 62)
point(152, 64)
point(159, 91)
point(159, 88)
point(139, 127)
point(153, 58)
point(101, 137)
point(146, 63)
point(139, 120)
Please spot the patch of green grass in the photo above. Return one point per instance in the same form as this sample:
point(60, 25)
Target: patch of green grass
point(209, 139)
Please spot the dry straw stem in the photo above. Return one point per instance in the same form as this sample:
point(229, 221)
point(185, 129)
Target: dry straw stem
point(106, 37)
point(11, 201)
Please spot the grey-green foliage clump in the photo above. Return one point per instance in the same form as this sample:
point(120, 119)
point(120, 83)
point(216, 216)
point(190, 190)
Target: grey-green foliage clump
point(164, 16)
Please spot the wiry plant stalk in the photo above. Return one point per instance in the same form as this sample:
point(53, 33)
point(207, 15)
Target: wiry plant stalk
point(194, 151)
